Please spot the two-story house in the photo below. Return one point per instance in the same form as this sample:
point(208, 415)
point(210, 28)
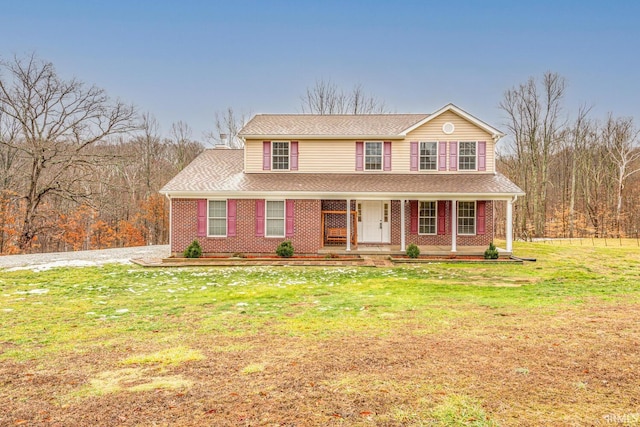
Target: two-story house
point(427, 179)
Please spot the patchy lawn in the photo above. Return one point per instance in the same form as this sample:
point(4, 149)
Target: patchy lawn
point(555, 342)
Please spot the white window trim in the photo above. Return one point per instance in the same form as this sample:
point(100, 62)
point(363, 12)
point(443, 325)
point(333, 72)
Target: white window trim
point(284, 218)
point(435, 210)
point(437, 156)
point(288, 156)
point(364, 156)
point(475, 219)
point(226, 218)
point(468, 170)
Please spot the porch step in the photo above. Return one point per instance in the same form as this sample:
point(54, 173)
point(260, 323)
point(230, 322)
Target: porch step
point(377, 261)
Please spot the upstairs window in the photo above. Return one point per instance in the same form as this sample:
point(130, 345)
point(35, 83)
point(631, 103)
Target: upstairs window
point(217, 218)
point(428, 156)
point(427, 218)
point(373, 156)
point(467, 218)
point(280, 155)
point(467, 156)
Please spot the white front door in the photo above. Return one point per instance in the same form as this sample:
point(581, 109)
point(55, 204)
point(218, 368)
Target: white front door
point(373, 221)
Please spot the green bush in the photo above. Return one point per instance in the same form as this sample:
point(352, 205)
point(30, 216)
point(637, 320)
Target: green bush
point(285, 249)
point(492, 252)
point(413, 251)
point(194, 250)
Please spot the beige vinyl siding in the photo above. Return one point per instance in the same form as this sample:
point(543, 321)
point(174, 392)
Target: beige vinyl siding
point(464, 131)
point(339, 156)
point(321, 156)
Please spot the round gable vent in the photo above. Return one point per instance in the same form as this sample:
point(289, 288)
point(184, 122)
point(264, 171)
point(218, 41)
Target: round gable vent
point(448, 128)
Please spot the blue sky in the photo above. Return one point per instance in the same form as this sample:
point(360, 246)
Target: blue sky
point(184, 60)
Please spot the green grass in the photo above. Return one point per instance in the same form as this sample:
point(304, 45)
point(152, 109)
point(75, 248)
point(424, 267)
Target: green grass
point(146, 325)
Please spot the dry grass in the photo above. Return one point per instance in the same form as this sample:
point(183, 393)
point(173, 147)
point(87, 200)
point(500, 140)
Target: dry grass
point(549, 343)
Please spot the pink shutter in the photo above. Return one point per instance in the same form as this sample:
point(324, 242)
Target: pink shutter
point(260, 218)
point(442, 156)
point(290, 216)
point(414, 155)
point(448, 209)
point(294, 156)
point(359, 155)
point(387, 156)
point(202, 218)
point(442, 217)
point(231, 217)
point(481, 207)
point(414, 216)
point(266, 155)
point(453, 155)
point(482, 155)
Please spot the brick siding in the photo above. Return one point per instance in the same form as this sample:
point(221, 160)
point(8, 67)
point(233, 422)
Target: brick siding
point(307, 238)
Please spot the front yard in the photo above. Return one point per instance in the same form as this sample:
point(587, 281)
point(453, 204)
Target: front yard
point(555, 342)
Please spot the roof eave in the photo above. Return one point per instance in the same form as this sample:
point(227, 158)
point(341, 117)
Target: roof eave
point(339, 195)
point(324, 137)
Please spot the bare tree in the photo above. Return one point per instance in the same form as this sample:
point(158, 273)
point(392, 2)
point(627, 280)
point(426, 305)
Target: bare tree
point(534, 120)
point(184, 148)
point(228, 123)
point(621, 141)
point(58, 119)
point(326, 98)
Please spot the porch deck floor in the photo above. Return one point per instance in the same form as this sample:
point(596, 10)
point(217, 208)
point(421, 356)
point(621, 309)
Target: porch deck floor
point(395, 250)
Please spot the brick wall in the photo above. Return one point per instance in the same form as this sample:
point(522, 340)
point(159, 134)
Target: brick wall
point(308, 233)
point(445, 239)
point(306, 238)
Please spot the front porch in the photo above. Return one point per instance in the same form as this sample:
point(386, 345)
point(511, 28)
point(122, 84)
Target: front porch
point(427, 251)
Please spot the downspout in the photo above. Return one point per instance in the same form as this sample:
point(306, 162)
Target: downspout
point(170, 223)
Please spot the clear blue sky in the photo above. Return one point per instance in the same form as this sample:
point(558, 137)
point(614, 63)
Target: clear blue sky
point(183, 60)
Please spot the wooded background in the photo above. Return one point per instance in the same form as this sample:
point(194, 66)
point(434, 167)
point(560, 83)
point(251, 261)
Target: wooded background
point(81, 170)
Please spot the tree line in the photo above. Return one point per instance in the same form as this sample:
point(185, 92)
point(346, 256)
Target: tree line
point(81, 170)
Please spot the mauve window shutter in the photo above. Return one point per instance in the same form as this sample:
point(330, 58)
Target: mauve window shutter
point(442, 217)
point(294, 156)
point(481, 207)
point(231, 217)
point(266, 155)
point(442, 156)
point(387, 155)
point(453, 155)
point(414, 155)
point(260, 218)
point(290, 218)
point(448, 209)
point(482, 155)
point(359, 155)
point(414, 216)
point(202, 217)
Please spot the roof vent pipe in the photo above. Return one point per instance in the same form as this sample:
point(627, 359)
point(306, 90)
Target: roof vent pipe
point(223, 141)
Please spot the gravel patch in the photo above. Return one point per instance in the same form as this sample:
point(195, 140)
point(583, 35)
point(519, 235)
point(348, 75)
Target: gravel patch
point(45, 261)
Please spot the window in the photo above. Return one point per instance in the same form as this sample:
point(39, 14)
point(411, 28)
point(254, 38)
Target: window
point(280, 155)
point(428, 156)
point(466, 217)
point(275, 218)
point(217, 218)
point(467, 156)
point(386, 212)
point(427, 218)
point(373, 156)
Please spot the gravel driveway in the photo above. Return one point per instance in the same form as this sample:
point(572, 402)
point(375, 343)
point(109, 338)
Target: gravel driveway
point(82, 258)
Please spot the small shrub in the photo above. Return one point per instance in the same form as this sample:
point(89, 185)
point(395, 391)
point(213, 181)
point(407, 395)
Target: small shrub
point(492, 252)
point(285, 249)
point(194, 250)
point(413, 251)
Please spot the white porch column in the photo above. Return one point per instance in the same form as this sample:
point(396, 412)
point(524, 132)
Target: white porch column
point(403, 242)
point(509, 231)
point(348, 224)
point(454, 225)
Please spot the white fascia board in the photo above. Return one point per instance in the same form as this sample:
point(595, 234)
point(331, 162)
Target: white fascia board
point(324, 137)
point(341, 196)
point(459, 111)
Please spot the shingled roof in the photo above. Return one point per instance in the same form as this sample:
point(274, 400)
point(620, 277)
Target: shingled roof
point(220, 172)
point(307, 125)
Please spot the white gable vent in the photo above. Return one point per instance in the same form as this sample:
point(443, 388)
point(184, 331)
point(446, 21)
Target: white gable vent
point(448, 128)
